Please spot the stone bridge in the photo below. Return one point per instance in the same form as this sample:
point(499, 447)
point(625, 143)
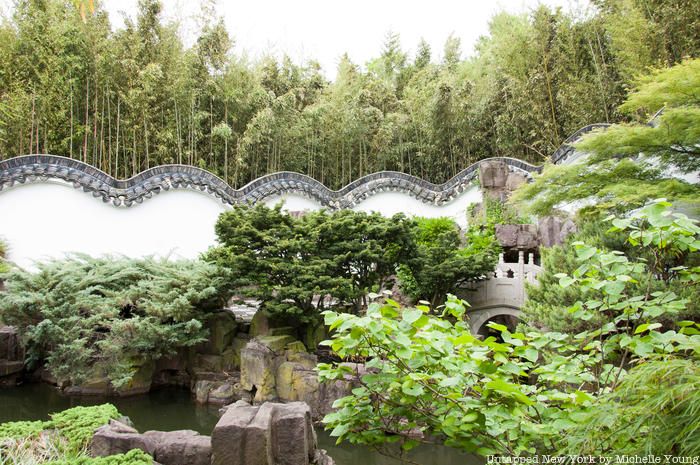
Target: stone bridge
point(500, 298)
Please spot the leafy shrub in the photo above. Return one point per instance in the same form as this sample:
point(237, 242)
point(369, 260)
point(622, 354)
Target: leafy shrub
point(443, 261)
point(89, 317)
point(298, 265)
point(654, 410)
point(547, 304)
point(429, 378)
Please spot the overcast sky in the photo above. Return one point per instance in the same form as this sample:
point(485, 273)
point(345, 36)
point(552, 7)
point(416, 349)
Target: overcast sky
point(325, 29)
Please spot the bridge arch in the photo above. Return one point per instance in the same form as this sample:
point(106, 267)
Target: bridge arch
point(505, 315)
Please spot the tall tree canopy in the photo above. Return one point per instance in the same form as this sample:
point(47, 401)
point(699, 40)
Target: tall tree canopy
point(626, 165)
point(128, 99)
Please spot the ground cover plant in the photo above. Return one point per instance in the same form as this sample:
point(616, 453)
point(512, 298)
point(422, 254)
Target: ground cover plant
point(62, 440)
point(88, 318)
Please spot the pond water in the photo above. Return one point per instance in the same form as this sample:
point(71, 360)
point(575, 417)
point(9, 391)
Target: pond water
point(171, 409)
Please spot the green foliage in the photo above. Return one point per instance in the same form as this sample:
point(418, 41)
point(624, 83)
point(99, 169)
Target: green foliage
point(428, 378)
point(78, 424)
point(443, 261)
point(133, 98)
point(645, 33)
point(298, 265)
point(653, 411)
point(63, 439)
point(673, 138)
point(93, 317)
point(133, 457)
point(21, 429)
point(547, 302)
point(3, 257)
point(629, 164)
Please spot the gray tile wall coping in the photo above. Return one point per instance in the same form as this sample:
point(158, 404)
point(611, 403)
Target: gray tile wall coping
point(128, 192)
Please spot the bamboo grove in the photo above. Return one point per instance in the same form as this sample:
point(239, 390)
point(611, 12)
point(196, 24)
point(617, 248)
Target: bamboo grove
point(128, 99)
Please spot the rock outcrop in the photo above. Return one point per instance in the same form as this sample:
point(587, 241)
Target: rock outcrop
point(497, 180)
point(184, 447)
point(11, 356)
point(269, 434)
point(549, 231)
point(554, 230)
point(279, 368)
point(518, 236)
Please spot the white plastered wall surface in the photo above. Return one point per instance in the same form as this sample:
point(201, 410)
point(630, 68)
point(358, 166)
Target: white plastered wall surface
point(391, 203)
point(43, 220)
point(49, 219)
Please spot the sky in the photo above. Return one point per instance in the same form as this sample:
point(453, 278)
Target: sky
point(325, 29)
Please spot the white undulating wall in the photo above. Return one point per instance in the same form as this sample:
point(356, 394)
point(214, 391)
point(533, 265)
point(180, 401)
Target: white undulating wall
point(390, 203)
point(48, 220)
point(293, 202)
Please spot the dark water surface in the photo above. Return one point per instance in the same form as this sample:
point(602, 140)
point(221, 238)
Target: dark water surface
point(172, 409)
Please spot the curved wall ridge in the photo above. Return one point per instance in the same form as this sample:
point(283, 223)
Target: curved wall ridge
point(128, 192)
point(125, 193)
point(566, 149)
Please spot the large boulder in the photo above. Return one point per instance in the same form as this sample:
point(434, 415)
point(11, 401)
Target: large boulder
point(514, 180)
point(260, 359)
point(184, 447)
point(222, 329)
point(97, 384)
point(223, 394)
point(10, 368)
point(493, 174)
point(260, 324)
point(141, 382)
point(11, 356)
point(519, 236)
point(10, 347)
point(118, 438)
point(269, 434)
point(554, 231)
point(549, 228)
point(567, 228)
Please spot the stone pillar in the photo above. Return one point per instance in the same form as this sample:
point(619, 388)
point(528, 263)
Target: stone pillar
point(269, 434)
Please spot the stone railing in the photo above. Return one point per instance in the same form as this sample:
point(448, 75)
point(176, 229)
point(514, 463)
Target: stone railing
point(42, 168)
point(504, 291)
point(506, 287)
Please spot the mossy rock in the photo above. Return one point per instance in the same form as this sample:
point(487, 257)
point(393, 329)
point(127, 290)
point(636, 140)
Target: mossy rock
point(296, 347)
point(207, 362)
point(260, 324)
point(140, 382)
point(276, 344)
point(314, 335)
point(282, 331)
point(222, 330)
